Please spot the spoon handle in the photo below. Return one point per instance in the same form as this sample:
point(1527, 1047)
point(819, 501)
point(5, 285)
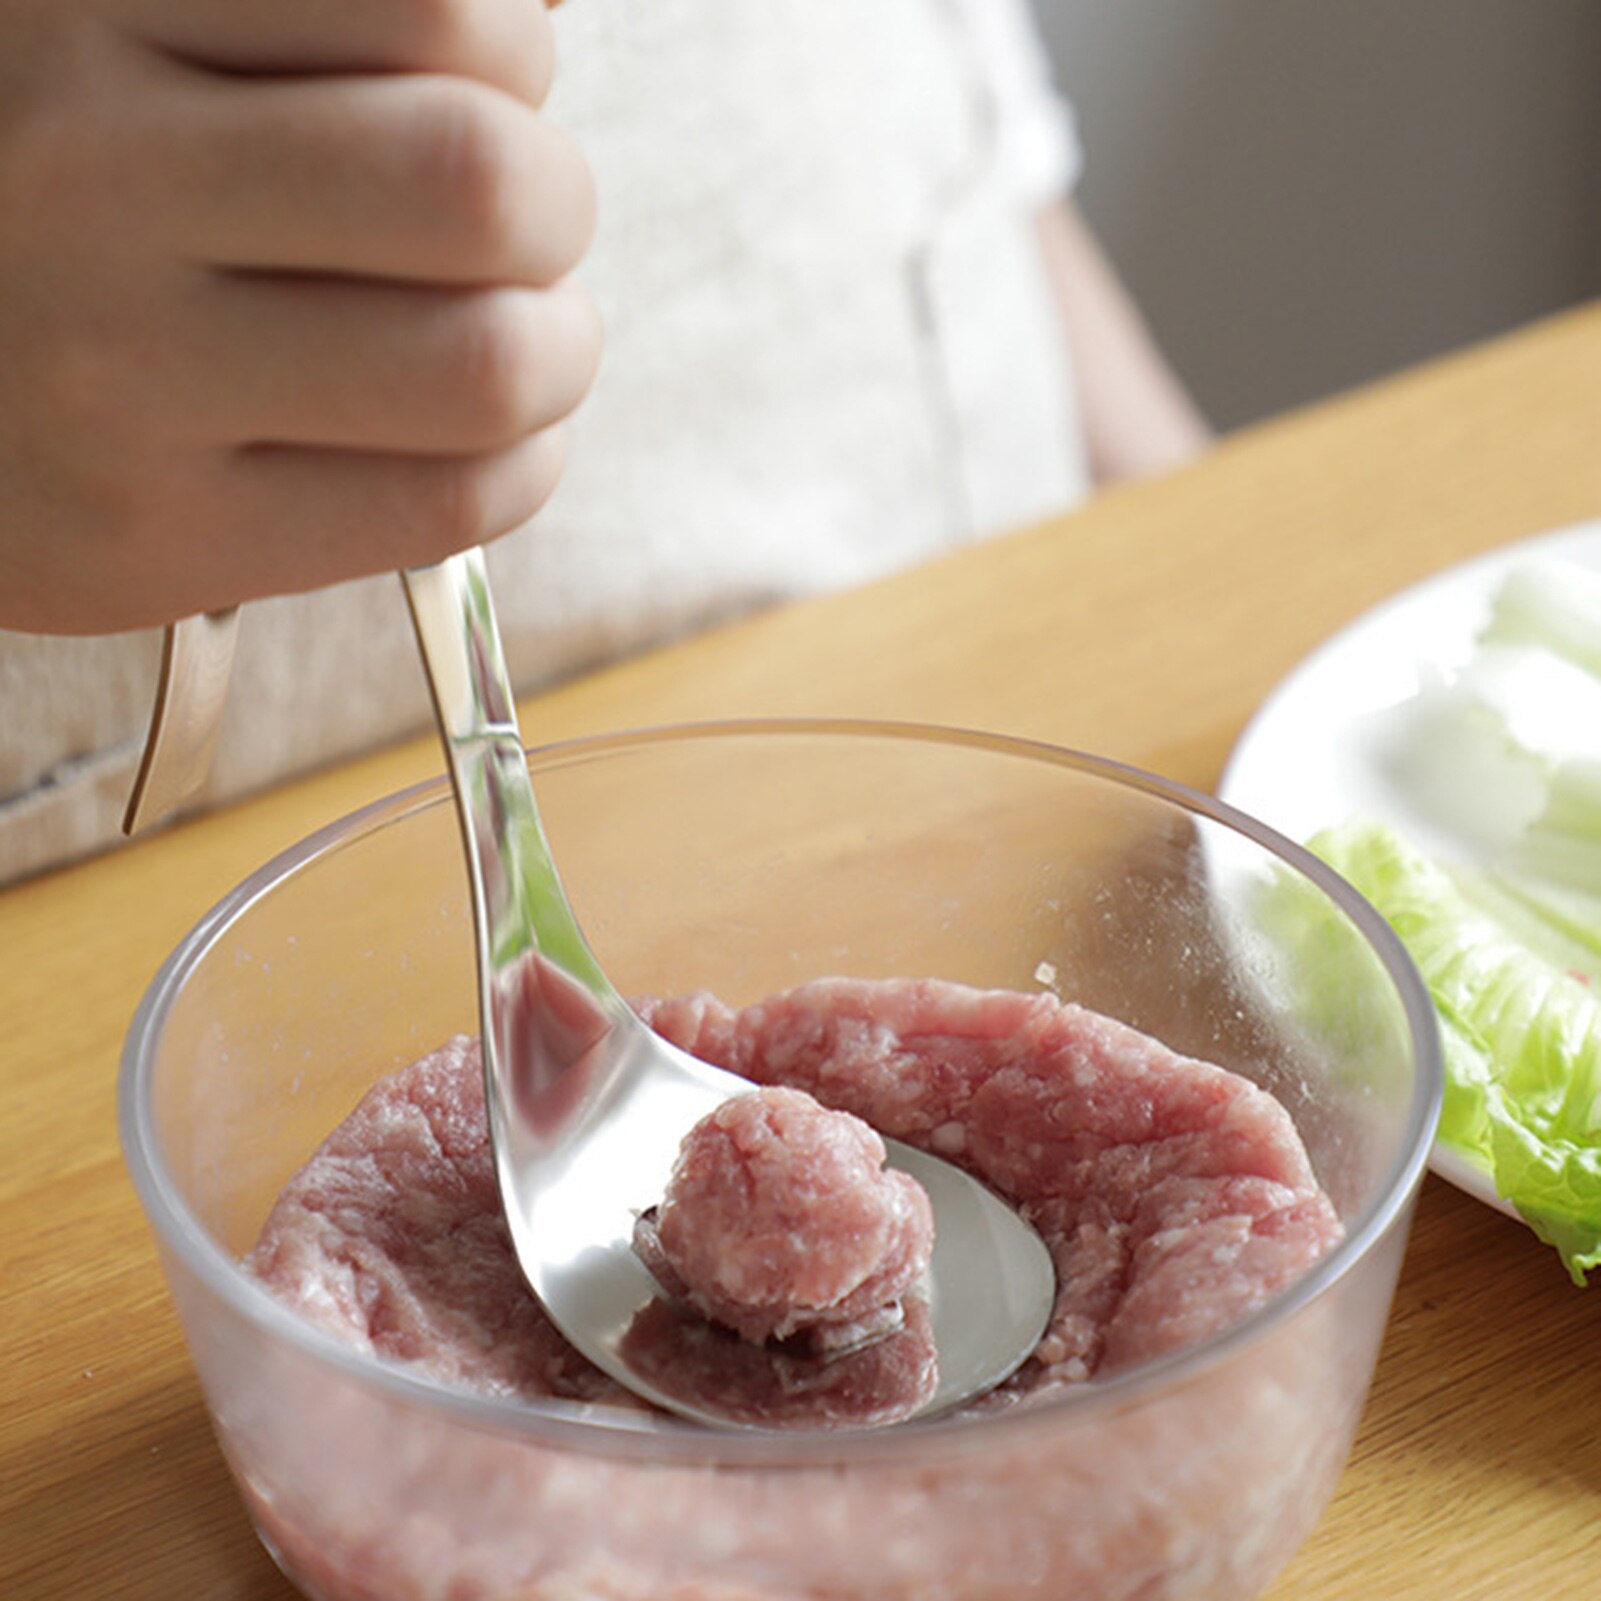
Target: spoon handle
point(523, 923)
point(196, 658)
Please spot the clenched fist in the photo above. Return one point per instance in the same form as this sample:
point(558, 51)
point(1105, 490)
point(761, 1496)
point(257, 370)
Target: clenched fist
point(283, 295)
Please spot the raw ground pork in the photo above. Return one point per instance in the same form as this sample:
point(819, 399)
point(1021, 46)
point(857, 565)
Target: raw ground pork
point(1174, 1196)
point(787, 1250)
point(781, 1222)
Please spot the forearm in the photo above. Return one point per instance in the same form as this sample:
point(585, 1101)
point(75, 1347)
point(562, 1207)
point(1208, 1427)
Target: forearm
point(1138, 418)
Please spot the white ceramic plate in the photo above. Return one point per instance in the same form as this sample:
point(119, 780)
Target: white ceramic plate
point(1312, 755)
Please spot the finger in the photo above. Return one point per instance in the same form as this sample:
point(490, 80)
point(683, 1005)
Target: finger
point(368, 367)
point(278, 521)
point(306, 518)
point(507, 43)
point(427, 178)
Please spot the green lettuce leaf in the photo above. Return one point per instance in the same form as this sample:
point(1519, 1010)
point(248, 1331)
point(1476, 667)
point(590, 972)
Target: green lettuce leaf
point(1520, 1025)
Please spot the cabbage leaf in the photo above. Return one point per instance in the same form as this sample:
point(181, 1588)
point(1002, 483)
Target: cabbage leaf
point(1511, 976)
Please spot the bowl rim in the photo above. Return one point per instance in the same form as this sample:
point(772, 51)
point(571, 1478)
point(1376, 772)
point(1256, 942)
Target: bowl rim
point(599, 1429)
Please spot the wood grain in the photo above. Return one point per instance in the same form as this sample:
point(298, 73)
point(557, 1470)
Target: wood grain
point(1147, 626)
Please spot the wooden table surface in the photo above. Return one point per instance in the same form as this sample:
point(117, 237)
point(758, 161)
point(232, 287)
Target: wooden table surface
point(1147, 626)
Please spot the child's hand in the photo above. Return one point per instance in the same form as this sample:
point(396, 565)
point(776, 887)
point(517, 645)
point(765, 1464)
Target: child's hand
point(281, 295)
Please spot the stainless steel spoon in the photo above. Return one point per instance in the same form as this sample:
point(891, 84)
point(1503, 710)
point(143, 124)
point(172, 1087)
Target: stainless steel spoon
point(587, 1107)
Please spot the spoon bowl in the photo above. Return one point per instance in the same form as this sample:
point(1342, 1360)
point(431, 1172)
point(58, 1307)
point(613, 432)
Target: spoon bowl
point(588, 1108)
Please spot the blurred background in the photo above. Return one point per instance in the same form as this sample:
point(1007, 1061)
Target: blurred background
point(1304, 196)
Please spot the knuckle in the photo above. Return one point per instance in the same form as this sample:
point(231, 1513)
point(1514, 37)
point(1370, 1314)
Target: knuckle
point(522, 480)
point(548, 460)
point(568, 191)
point(513, 195)
point(497, 361)
point(569, 352)
point(507, 42)
point(456, 512)
point(476, 164)
point(476, 499)
point(431, 33)
point(539, 55)
point(588, 334)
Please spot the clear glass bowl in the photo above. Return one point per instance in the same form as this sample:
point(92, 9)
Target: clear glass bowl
point(746, 858)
